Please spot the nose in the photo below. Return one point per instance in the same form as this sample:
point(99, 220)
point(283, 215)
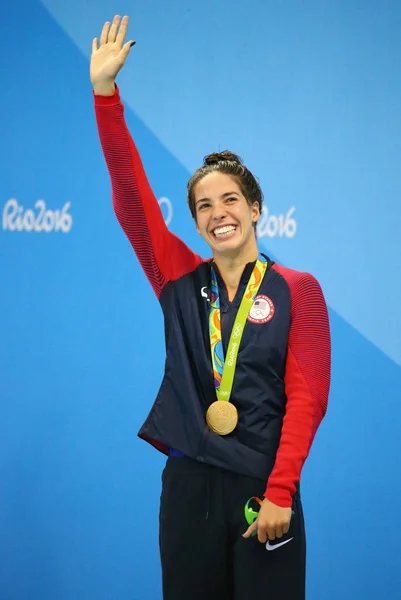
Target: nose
point(219, 212)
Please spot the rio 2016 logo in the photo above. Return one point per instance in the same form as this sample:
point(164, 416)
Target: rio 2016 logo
point(276, 225)
point(15, 218)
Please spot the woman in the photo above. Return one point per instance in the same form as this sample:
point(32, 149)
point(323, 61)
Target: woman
point(247, 369)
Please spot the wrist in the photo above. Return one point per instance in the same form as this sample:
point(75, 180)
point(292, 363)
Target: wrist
point(104, 88)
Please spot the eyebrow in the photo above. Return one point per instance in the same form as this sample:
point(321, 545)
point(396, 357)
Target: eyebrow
point(222, 196)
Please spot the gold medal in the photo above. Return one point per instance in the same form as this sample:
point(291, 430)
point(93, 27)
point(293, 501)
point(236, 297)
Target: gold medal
point(222, 417)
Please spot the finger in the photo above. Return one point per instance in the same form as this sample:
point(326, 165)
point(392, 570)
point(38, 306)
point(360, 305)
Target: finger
point(113, 29)
point(279, 532)
point(262, 537)
point(286, 528)
point(126, 49)
point(123, 31)
point(271, 533)
point(250, 530)
point(94, 45)
point(105, 33)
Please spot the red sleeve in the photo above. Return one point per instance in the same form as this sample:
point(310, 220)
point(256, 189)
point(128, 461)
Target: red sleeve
point(162, 255)
point(307, 383)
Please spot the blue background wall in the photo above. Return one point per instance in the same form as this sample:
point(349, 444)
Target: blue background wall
point(309, 93)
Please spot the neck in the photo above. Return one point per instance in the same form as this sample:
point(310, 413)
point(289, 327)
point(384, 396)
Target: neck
point(232, 267)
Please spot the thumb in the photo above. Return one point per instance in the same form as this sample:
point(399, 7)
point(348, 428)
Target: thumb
point(126, 49)
point(251, 529)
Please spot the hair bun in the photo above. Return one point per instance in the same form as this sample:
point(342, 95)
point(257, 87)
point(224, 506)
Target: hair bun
point(217, 157)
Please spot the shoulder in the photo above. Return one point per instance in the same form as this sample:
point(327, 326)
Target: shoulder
point(305, 291)
point(296, 279)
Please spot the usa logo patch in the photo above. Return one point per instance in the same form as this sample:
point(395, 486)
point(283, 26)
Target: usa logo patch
point(262, 310)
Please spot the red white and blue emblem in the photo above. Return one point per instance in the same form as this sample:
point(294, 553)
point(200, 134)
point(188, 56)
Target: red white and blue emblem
point(262, 310)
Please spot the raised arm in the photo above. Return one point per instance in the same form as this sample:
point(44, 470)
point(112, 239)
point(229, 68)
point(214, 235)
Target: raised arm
point(163, 256)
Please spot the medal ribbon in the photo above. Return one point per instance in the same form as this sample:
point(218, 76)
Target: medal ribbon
point(224, 369)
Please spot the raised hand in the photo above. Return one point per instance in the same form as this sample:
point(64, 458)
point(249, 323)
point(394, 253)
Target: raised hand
point(109, 56)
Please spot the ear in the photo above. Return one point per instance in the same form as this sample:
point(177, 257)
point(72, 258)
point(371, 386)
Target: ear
point(255, 212)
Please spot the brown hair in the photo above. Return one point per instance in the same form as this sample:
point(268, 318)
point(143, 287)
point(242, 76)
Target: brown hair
point(230, 164)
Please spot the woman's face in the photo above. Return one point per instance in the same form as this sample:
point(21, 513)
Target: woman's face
point(224, 218)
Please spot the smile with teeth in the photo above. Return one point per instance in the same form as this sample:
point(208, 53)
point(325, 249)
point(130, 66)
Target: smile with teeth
point(224, 231)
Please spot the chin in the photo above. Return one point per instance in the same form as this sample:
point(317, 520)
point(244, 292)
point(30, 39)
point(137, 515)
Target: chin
point(228, 247)
point(233, 247)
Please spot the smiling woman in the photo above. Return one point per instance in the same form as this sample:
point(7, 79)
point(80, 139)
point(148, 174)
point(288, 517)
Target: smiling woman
point(247, 371)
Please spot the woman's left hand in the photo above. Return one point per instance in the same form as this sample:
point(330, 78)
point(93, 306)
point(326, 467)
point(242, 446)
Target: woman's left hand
point(272, 522)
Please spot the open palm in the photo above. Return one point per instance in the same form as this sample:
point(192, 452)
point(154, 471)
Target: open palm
point(109, 56)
